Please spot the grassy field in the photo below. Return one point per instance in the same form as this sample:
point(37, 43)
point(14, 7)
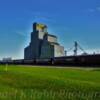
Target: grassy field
point(41, 83)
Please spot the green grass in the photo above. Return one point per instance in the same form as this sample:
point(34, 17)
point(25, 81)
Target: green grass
point(41, 83)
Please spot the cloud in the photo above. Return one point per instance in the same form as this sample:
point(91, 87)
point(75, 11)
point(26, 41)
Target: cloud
point(98, 8)
point(91, 10)
point(94, 10)
point(88, 51)
point(21, 33)
point(42, 16)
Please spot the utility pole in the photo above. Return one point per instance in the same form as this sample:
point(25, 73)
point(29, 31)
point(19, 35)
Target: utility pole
point(65, 52)
point(76, 48)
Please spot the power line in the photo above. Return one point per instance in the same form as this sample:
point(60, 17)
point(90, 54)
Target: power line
point(75, 48)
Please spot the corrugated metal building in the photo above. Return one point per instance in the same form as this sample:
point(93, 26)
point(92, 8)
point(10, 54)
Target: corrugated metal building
point(43, 44)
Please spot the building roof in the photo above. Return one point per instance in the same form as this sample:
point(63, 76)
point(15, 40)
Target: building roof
point(52, 35)
point(53, 43)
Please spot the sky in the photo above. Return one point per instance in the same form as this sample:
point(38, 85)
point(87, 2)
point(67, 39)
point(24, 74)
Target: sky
point(70, 20)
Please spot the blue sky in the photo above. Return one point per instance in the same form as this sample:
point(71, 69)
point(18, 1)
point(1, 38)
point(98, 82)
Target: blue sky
point(70, 20)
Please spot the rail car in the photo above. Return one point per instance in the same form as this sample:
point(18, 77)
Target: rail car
point(68, 60)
